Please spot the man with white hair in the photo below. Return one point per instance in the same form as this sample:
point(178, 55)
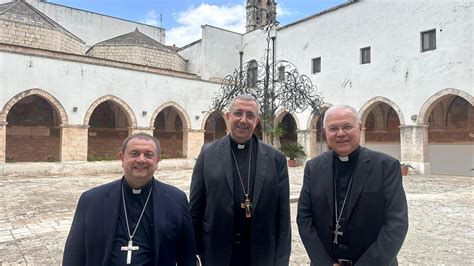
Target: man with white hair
point(352, 208)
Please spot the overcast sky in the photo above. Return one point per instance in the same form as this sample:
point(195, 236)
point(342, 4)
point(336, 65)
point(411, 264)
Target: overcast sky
point(182, 19)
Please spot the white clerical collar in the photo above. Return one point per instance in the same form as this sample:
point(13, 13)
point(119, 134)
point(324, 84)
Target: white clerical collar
point(343, 158)
point(240, 146)
point(136, 191)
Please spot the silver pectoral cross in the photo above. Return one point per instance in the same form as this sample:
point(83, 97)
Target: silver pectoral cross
point(337, 233)
point(247, 205)
point(129, 250)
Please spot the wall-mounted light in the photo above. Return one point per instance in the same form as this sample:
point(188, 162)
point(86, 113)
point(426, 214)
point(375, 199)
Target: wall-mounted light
point(74, 109)
point(414, 117)
point(144, 113)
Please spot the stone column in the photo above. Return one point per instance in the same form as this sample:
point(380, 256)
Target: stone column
point(414, 147)
point(304, 139)
point(362, 137)
point(193, 141)
point(3, 141)
point(74, 143)
point(312, 149)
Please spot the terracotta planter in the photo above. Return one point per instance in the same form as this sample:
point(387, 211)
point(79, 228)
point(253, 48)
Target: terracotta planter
point(291, 163)
point(404, 170)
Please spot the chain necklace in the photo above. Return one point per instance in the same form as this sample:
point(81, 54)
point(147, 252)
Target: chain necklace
point(130, 247)
point(336, 231)
point(247, 204)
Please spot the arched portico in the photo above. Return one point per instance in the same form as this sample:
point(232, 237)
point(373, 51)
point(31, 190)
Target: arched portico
point(289, 125)
point(215, 126)
point(171, 125)
point(382, 120)
point(31, 127)
point(446, 120)
point(109, 120)
point(317, 143)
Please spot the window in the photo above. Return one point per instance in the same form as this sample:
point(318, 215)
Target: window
point(252, 74)
point(316, 65)
point(365, 55)
point(428, 40)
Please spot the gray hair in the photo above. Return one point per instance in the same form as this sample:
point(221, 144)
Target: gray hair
point(339, 107)
point(244, 97)
point(142, 135)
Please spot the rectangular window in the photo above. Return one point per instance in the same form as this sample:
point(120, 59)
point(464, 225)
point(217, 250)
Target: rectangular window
point(365, 55)
point(316, 65)
point(428, 40)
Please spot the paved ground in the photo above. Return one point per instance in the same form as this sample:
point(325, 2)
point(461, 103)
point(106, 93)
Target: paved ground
point(36, 213)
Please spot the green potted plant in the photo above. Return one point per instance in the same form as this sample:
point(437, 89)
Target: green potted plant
point(404, 167)
point(292, 151)
point(279, 130)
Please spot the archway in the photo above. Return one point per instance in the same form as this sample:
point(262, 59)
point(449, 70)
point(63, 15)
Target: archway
point(33, 131)
point(109, 125)
point(317, 137)
point(451, 135)
point(288, 128)
point(169, 128)
point(382, 130)
point(215, 127)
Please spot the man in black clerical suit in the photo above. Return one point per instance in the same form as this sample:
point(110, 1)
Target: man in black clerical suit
point(240, 196)
point(134, 220)
point(352, 208)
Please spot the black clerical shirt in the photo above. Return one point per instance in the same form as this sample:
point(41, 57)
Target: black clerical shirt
point(242, 225)
point(343, 172)
point(144, 237)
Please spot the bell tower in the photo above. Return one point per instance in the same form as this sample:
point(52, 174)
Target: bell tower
point(260, 13)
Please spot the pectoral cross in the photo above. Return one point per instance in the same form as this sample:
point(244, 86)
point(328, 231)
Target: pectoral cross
point(247, 205)
point(337, 233)
point(129, 250)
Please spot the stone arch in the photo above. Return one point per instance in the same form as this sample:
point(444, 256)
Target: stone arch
point(131, 119)
point(428, 106)
point(109, 120)
point(37, 138)
point(367, 108)
point(281, 113)
point(171, 125)
point(291, 134)
point(37, 92)
point(447, 119)
point(181, 112)
point(381, 121)
point(313, 119)
point(220, 126)
point(317, 141)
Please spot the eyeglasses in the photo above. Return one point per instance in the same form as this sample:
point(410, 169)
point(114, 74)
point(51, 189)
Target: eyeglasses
point(344, 129)
point(239, 114)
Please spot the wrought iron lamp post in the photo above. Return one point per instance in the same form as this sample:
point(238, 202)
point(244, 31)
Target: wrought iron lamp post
point(291, 91)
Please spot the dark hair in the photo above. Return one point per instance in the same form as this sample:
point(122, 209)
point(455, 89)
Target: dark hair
point(142, 135)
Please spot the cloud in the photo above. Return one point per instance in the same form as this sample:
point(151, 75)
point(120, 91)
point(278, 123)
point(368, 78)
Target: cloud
point(151, 18)
point(229, 17)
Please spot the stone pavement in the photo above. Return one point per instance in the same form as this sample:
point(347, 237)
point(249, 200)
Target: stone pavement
point(36, 213)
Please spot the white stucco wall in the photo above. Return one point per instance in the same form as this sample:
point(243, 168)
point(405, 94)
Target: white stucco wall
point(193, 55)
point(80, 84)
point(398, 71)
point(93, 27)
point(219, 53)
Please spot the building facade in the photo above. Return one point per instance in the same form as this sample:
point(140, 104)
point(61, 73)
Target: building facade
point(72, 95)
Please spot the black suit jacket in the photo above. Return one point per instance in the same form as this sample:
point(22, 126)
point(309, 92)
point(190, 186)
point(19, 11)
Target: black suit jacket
point(92, 232)
point(377, 209)
point(212, 201)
